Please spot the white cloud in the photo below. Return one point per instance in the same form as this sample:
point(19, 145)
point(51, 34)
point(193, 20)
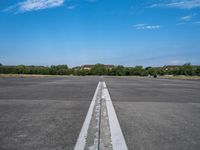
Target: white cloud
point(186, 18)
point(181, 4)
point(72, 7)
point(139, 25)
point(145, 26)
point(30, 5)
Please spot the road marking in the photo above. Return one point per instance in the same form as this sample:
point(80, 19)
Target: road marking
point(81, 142)
point(117, 138)
point(101, 129)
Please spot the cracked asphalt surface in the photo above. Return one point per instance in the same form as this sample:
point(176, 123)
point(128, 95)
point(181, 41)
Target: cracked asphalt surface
point(47, 113)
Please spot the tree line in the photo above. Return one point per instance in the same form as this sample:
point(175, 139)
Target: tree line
point(100, 69)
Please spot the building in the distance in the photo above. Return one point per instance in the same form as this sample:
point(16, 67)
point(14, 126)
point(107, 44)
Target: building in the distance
point(89, 67)
point(171, 67)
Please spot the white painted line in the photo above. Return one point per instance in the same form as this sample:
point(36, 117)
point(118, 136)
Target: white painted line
point(117, 138)
point(81, 142)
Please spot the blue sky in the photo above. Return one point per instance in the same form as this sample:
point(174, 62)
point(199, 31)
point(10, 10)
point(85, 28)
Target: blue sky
point(76, 32)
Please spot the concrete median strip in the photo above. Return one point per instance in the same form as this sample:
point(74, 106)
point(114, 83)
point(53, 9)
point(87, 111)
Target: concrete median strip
point(101, 129)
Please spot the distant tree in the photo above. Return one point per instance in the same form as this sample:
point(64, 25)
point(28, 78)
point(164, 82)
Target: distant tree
point(70, 71)
point(137, 70)
point(1, 64)
point(198, 70)
point(58, 67)
point(151, 71)
point(59, 70)
point(160, 71)
point(148, 67)
point(99, 69)
point(128, 71)
point(62, 72)
point(187, 69)
point(21, 69)
point(111, 72)
point(120, 70)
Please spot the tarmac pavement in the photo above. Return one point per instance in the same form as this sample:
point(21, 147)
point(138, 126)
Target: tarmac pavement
point(43, 113)
point(157, 114)
point(48, 113)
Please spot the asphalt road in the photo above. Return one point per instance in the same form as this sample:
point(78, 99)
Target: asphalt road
point(48, 113)
point(43, 113)
point(157, 114)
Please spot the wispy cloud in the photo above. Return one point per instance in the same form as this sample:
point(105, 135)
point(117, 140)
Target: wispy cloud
point(181, 4)
point(10, 8)
point(71, 7)
point(91, 1)
point(181, 23)
point(145, 26)
point(196, 22)
point(31, 5)
point(186, 18)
